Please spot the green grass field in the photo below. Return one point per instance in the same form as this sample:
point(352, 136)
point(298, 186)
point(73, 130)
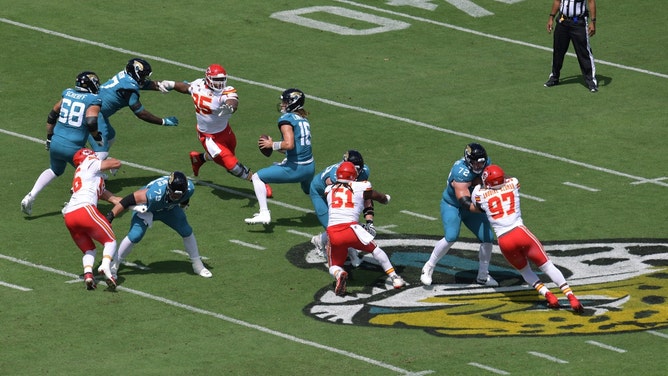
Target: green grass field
point(408, 86)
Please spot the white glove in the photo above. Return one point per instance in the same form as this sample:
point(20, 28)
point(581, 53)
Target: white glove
point(388, 199)
point(226, 109)
point(166, 86)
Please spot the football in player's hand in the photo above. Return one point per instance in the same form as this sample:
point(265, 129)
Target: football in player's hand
point(266, 151)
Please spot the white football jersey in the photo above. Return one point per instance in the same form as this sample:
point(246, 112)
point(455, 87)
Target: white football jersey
point(87, 185)
point(346, 205)
point(502, 205)
point(207, 106)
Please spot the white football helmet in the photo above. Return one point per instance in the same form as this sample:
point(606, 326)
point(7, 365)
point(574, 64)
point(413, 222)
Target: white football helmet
point(216, 77)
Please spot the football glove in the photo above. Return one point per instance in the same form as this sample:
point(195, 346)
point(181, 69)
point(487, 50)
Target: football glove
point(226, 109)
point(388, 199)
point(98, 139)
point(165, 86)
point(369, 227)
point(47, 144)
point(110, 216)
point(171, 121)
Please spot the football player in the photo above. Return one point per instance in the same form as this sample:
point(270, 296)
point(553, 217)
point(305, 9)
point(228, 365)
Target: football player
point(499, 198)
point(163, 199)
point(215, 102)
point(69, 123)
point(347, 199)
point(84, 220)
point(457, 207)
point(298, 165)
point(122, 90)
point(317, 192)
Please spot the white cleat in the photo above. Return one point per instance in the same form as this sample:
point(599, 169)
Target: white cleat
point(26, 204)
point(489, 281)
point(398, 282)
point(263, 217)
point(200, 269)
point(355, 259)
point(425, 277)
point(317, 243)
point(109, 279)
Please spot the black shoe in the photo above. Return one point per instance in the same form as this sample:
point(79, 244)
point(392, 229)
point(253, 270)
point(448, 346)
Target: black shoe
point(551, 82)
point(593, 88)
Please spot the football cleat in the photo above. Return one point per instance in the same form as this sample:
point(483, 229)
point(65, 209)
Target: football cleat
point(355, 259)
point(105, 269)
point(552, 301)
point(575, 303)
point(270, 193)
point(200, 269)
point(89, 281)
point(196, 161)
point(26, 204)
point(425, 277)
point(263, 217)
point(489, 281)
point(341, 279)
point(398, 282)
point(316, 240)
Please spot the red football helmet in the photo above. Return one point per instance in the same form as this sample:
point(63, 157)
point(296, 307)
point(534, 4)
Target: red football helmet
point(493, 176)
point(216, 77)
point(346, 172)
point(81, 155)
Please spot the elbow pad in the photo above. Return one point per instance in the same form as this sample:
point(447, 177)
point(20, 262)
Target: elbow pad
point(52, 118)
point(128, 201)
point(465, 202)
point(91, 123)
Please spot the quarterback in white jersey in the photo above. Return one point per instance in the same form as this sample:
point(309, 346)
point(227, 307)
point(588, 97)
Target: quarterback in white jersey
point(347, 199)
point(82, 217)
point(499, 198)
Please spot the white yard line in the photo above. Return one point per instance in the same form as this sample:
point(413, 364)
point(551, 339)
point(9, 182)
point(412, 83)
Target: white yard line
point(229, 319)
point(365, 110)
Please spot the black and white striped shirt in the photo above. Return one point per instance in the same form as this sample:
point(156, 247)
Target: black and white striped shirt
point(573, 8)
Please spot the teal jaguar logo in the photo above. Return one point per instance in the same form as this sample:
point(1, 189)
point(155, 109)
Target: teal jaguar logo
point(623, 285)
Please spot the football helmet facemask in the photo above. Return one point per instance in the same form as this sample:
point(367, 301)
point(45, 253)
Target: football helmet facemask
point(475, 157)
point(216, 77)
point(291, 100)
point(355, 158)
point(139, 69)
point(493, 176)
point(87, 81)
point(346, 173)
point(81, 156)
point(177, 185)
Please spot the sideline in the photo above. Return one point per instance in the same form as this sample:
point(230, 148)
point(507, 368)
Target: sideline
point(636, 179)
point(228, 319)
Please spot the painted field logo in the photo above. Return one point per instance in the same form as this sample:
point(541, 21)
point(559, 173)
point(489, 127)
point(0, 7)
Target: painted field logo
point(623, 285)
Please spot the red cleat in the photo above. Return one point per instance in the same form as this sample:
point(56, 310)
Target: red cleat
point(196, 161)
point(575, 303)
point(270, 194)
point(89, 281)
point(340, 288)
point(552, 301)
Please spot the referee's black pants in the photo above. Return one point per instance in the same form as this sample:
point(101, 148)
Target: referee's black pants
point(575, 31)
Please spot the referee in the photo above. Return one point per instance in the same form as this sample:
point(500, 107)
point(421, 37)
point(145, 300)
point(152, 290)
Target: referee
point(576, 22)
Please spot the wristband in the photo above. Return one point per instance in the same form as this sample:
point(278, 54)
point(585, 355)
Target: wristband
point(276, 145)
point(593, 19)
point(552, 15)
